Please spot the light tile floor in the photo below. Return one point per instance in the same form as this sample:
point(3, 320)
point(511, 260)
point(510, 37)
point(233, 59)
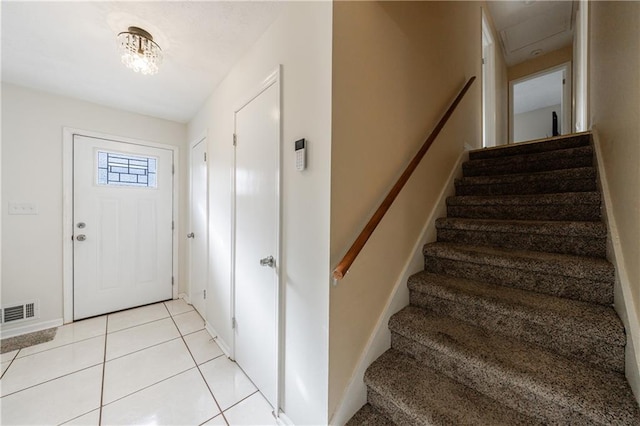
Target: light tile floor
point(151, 365)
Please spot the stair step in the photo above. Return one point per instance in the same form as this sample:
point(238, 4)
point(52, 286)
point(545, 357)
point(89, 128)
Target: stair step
point(582, 179)
point(585, 331)
point(537, 162)
point(575, 238)
point(578, 206)
point(520, 375)
point(408, 393)
point(588, 279)
point(369, 416)
point(554, 144)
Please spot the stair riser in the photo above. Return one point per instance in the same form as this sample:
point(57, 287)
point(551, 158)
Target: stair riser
point(581, 246)
point(527, 188)
point(556, 285)
point(489, 382)
point(531, 148)
point(388, 408)
point(589, 349)
point(579, 212)
point(507, 166)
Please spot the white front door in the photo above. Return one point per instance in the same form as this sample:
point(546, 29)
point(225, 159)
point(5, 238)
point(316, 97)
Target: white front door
point(256, 240)
point(198, 227)
point(122, 225)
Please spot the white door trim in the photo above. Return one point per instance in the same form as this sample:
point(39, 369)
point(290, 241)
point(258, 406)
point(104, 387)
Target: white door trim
point(488, 84)
point(67, 209)
point(581, 66)
point(274, 78)
point(566, 96)
point(203, 137)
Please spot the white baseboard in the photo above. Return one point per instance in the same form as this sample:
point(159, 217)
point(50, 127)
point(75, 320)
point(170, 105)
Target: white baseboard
point(355, 395)
point(223, 345)
point(29, 328)
point(184, 296)
point(623, 299)
point(283, 420)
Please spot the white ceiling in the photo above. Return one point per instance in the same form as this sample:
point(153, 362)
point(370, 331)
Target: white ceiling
point(539, 92)
point(528, 26)
point(69, 48)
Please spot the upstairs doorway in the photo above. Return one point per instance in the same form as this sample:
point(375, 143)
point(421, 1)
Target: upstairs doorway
point(540, 105)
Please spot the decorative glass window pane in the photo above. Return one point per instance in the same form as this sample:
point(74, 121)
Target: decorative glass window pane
point(126, 170)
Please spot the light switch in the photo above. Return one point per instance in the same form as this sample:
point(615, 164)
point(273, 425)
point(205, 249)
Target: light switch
point(18, 207)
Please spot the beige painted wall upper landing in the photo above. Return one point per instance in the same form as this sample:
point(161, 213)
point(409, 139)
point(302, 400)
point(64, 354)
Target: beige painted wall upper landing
point(541, 63)
point(396, 68)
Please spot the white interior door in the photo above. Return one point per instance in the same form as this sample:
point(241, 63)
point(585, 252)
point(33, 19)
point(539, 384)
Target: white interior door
point(198, 227)
point(122, 219)
point(256, 240)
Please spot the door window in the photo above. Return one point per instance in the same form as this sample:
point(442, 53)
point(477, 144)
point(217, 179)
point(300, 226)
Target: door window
point(126, 170)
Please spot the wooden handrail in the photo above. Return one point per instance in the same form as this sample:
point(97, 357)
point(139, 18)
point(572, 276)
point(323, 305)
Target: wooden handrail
point(358, 244)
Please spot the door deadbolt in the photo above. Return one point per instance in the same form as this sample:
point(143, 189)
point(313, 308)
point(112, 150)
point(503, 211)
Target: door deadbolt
point(81, 225)
point(81, 237)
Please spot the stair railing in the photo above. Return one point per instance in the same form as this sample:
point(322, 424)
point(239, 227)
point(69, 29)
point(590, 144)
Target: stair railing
point(358, 244)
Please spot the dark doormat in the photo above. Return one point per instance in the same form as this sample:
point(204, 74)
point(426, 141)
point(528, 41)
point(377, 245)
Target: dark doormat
point(12, 343)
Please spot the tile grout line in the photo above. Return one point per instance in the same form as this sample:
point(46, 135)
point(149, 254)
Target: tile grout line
point(10, 363)
point(77, 417)
point(91, 337)
point(148, 386)
point(137, 325)
point(198, 367)
point(145, 348)
point(61, 346)
point(104, 367)
point(52, 379)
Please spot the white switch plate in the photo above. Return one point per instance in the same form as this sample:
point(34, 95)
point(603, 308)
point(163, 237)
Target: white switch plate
point(16, 207)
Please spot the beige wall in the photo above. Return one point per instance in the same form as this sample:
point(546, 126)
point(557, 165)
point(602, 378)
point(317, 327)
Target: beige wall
point(32, 123)
point(396, 68)
point(541, 63)
point(614, 103)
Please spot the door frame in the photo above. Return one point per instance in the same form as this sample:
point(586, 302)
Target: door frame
point(203, 137)
point(488, 84)
point(567, 96)
point(274, 78)
point(581, 68)
point(67, 209)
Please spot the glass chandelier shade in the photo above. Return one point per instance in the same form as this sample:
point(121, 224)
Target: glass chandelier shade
point(138, 51)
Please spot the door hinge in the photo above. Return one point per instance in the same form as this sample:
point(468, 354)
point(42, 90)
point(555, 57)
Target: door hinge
point(173, 169)
point(173, 225)
point(233, 323)
point(205, 294)
point(235, 139)
point(564, 81)
point(172, 281)
point(482, 61)
point(205, 157)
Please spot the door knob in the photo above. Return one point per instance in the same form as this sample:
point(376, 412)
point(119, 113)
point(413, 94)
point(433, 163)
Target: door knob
point(191, 235)
point(81, 237)
point(268, 261)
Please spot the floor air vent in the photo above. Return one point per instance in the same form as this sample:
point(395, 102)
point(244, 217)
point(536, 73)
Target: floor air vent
point(21, 312)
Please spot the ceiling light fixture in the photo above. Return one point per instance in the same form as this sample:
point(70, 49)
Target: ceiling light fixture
point(138, 51)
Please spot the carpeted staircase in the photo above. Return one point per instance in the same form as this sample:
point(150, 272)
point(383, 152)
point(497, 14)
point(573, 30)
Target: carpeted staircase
point(511, 322)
